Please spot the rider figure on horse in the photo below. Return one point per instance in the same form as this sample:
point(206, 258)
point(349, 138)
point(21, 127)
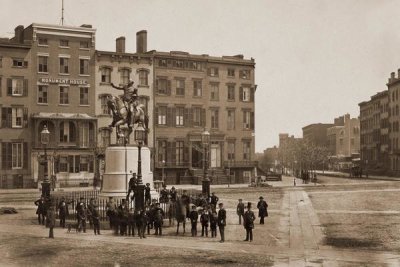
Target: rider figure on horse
point(130, 98)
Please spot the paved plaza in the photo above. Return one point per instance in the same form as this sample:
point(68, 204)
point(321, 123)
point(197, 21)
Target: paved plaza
point(308, 225)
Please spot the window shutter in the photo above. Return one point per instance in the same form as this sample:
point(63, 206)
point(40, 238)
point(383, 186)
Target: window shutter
point(9, 86)
point(57, 164)
point(244, 120)
point(168, 87)
point(25, 114)
point(25, 64)
point(252, 94)
point(25, 148)
point(9, 156)
point(216, 72)
point(4, 117)
point(71, 164)
point(241, 94)
point(77, 163)
point(25, 93)
point(3, 156)
point(156, 116)
point(252, 120)
point(203, 118)
point(157, 89)
point(169, 152)
point(173, 117)
point(209, 71)
point(173, 152)
point(188, 122)
point(91, 164)
point(185, 153)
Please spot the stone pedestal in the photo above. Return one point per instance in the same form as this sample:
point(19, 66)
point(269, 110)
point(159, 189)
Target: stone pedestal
point(120, 161)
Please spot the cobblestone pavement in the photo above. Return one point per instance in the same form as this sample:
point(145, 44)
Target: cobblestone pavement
point(296, 239)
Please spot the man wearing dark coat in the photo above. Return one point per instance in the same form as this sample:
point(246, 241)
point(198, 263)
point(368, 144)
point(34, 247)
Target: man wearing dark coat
point(213, 199)
point(81, 214)
point(123, 212)
point(262, 209)
point(204, 219)
point(164, 194)
point(249, 218)
point(147, 195)
point(158, 219)
point(194, 216)
point(221, 221)
point(240, 210)
point(41, 209)
point(62, 211)
point(172, 193)
point(95, 220)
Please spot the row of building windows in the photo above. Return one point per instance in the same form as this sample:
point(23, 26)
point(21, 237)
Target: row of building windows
point(64, 95)
point(196, 116)
point(63, 43)
point(64, 64)
point(163, 87)
point(125, 75)
point(175, 152)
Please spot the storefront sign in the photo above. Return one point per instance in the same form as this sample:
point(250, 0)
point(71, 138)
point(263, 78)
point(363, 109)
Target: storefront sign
point(63, 81)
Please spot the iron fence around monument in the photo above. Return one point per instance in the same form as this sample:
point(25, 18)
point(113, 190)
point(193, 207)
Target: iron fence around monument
point(72, 199)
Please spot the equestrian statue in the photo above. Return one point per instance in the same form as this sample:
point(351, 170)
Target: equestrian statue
point(126, 109)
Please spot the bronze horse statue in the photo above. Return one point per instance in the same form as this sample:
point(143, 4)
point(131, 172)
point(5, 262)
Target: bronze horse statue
point(122, 115)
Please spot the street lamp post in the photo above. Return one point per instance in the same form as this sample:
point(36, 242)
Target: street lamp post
point(205, 139)
point(140, 135)
point(44, 139)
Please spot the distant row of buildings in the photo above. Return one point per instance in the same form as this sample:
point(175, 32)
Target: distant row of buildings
point(53, 75)
point(341, 139)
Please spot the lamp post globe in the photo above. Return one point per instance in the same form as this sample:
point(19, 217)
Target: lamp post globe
point(205, 140)
point(44, 139)
point(140, 137)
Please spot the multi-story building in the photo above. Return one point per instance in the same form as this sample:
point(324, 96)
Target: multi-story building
point(394, 121)
point(118, 68)
point(344, 141)
point(316, 134)
point(197, 92)
point(374, 132)
point(50, 84)
point(15, 102)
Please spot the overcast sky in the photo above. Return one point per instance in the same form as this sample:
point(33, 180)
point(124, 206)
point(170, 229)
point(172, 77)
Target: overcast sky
point(315, 60)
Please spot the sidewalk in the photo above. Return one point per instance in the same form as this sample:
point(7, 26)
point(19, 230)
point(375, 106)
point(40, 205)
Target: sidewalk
point(346, 175)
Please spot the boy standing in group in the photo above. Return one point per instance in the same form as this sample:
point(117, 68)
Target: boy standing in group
point(240, 210)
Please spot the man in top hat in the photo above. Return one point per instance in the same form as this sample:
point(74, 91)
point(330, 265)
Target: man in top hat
point(240, 210)
point(158, 219)
point(81, 214)
point(221, 221)
point(249, 218)
point(262, 209)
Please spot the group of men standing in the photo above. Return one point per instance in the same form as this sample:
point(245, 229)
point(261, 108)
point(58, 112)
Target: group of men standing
point(124, 220)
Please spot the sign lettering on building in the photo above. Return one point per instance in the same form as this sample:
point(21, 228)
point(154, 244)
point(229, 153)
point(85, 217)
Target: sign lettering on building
point(63, 81)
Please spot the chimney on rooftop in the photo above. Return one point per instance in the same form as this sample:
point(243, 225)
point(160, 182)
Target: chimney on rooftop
point(120, 44)
point(392, 77)
point(19, 34)
point(141, 42)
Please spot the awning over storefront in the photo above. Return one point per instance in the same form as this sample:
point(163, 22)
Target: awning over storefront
point(75, 116)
